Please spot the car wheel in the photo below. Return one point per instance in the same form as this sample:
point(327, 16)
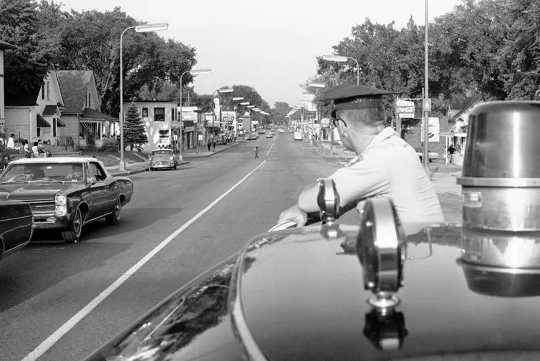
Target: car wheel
point(73, 234)
point(114, 217)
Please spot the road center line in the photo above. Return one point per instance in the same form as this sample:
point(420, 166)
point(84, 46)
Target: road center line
point(270, 149)
point(75, 319)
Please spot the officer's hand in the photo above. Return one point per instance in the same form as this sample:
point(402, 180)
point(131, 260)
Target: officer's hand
point(294, 214)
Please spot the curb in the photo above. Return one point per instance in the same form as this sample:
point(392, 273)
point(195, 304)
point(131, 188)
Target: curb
point(211, 154)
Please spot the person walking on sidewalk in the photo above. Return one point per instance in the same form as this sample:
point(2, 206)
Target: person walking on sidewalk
point(256, 151)
point(451, 151)
point(385, 165)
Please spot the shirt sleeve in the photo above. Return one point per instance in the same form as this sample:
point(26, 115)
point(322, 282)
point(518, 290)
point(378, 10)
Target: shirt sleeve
point(365, 178)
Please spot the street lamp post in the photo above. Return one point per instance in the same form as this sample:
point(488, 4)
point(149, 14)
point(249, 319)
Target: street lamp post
point(344, 59)
point(426, 104)
point(180, 115)
point(139, 29)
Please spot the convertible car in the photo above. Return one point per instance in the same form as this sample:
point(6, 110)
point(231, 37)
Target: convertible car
point(65, 193)
point(380, 289)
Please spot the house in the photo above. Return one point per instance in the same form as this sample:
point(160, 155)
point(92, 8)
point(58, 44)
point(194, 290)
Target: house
point(3, 46)
point(64, 112)
point(160, 119)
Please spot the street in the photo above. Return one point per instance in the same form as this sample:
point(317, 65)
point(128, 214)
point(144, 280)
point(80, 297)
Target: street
point(47, 283)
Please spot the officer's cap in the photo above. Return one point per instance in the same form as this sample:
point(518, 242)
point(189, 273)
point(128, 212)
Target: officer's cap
point(354, 96)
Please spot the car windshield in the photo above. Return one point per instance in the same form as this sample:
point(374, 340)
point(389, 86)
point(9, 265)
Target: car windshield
point(162, 152)
point(43, 172)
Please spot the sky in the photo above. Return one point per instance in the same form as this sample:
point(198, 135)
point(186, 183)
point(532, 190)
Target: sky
point(269, 45)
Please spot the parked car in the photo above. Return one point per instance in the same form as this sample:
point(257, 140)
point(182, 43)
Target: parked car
point(269, 135)
point(297, 135)
point(432, 155)
point(163, 159)
point(15, 226)
point(65, 193)
point(261, 131)
point(253, 136)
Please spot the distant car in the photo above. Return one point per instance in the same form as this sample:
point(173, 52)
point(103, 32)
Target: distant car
point(15, 226)
point(298, 135)
point(253, 136)
point(432, 155)
point(262, 131)
point(163, 159)
point(281, 130)
point(65, 193)
point(269, 135)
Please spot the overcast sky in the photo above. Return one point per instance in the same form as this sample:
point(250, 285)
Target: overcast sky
point(270, 45)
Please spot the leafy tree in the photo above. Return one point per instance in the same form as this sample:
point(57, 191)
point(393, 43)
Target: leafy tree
point(25, 66)
point(279, 112)
point(134, 132)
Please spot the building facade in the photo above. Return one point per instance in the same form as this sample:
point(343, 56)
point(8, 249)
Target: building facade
point(160, 119)
point(3, 46)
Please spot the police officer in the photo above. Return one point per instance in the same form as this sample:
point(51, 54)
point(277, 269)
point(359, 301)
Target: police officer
point(385, 164)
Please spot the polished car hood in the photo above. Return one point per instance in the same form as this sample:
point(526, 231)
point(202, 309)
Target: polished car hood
point(33, 191)
point(304, 299)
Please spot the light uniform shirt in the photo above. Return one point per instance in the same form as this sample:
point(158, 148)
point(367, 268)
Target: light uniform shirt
point(390, 167)
point(11, 143)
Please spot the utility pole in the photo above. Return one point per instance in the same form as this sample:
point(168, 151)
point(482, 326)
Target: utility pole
point(426, 103)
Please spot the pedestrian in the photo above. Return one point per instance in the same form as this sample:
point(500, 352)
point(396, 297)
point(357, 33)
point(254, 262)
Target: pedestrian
point(256, 151)
point(11, 141)
point(209, 144)
point(451, 151)
point(35, 149)
point(26, 149)
point(214, 144)
point(385, 164)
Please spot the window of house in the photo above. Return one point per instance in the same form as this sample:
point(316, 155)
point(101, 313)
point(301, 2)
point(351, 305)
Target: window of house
point(145, 112)
point(159, 114)
point(54, 125)
point(38, 132)
point(173, 114)
point(47, 88)
point(43, 91)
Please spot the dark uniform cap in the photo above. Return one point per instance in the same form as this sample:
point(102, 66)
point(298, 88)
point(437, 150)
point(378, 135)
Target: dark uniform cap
point(353, 96)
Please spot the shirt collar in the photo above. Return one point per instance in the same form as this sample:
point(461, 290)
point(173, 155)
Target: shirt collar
point(381, 137)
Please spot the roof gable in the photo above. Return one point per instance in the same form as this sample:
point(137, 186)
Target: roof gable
point(74, 85)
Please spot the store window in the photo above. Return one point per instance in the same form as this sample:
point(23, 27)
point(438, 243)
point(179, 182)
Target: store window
point(144, 112)
point(159, 114)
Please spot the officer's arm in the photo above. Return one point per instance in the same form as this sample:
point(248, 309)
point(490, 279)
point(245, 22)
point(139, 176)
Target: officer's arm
point(307, 201)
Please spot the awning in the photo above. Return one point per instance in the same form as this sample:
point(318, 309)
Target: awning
point(41, 122)
point(92, 114)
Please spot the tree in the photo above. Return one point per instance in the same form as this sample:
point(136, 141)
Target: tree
point(134, 132)
point(27, 65)
point(280, 111)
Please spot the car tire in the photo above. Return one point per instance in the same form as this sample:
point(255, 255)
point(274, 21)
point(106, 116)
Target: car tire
point(114, 218)
point(73, 234)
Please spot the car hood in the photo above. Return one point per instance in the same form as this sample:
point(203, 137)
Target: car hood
point(297, 295)
point(303, 298)
point(33, 191)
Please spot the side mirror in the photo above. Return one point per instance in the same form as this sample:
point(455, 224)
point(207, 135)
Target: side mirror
point(92, 180)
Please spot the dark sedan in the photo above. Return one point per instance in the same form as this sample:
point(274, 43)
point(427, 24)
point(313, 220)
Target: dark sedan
point(65, 193)
point(15, 226)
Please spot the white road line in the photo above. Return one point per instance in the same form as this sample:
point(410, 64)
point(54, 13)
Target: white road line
point(270, 149)
point(75, 319)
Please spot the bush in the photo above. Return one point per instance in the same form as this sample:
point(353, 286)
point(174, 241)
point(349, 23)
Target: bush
point(109, 145)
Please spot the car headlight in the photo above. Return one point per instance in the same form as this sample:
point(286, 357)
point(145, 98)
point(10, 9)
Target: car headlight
point(171, 158)
point(60, 202)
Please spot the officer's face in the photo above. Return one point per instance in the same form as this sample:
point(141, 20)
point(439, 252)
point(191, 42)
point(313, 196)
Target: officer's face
point(354, 134)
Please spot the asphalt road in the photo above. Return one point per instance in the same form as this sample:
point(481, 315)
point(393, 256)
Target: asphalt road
point(47, 283)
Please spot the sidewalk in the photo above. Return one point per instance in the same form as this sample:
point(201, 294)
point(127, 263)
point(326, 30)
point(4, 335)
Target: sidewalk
point(203, 151)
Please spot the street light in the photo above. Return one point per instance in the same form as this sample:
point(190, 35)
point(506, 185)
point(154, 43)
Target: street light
point(344, 59)
point(180, 118)
point(139, 29)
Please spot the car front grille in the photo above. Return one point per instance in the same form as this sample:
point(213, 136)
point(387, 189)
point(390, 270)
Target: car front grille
point(42, 209)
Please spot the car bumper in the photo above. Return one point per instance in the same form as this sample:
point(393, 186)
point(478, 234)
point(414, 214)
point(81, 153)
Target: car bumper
point(50, 221)
point(162, 166)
